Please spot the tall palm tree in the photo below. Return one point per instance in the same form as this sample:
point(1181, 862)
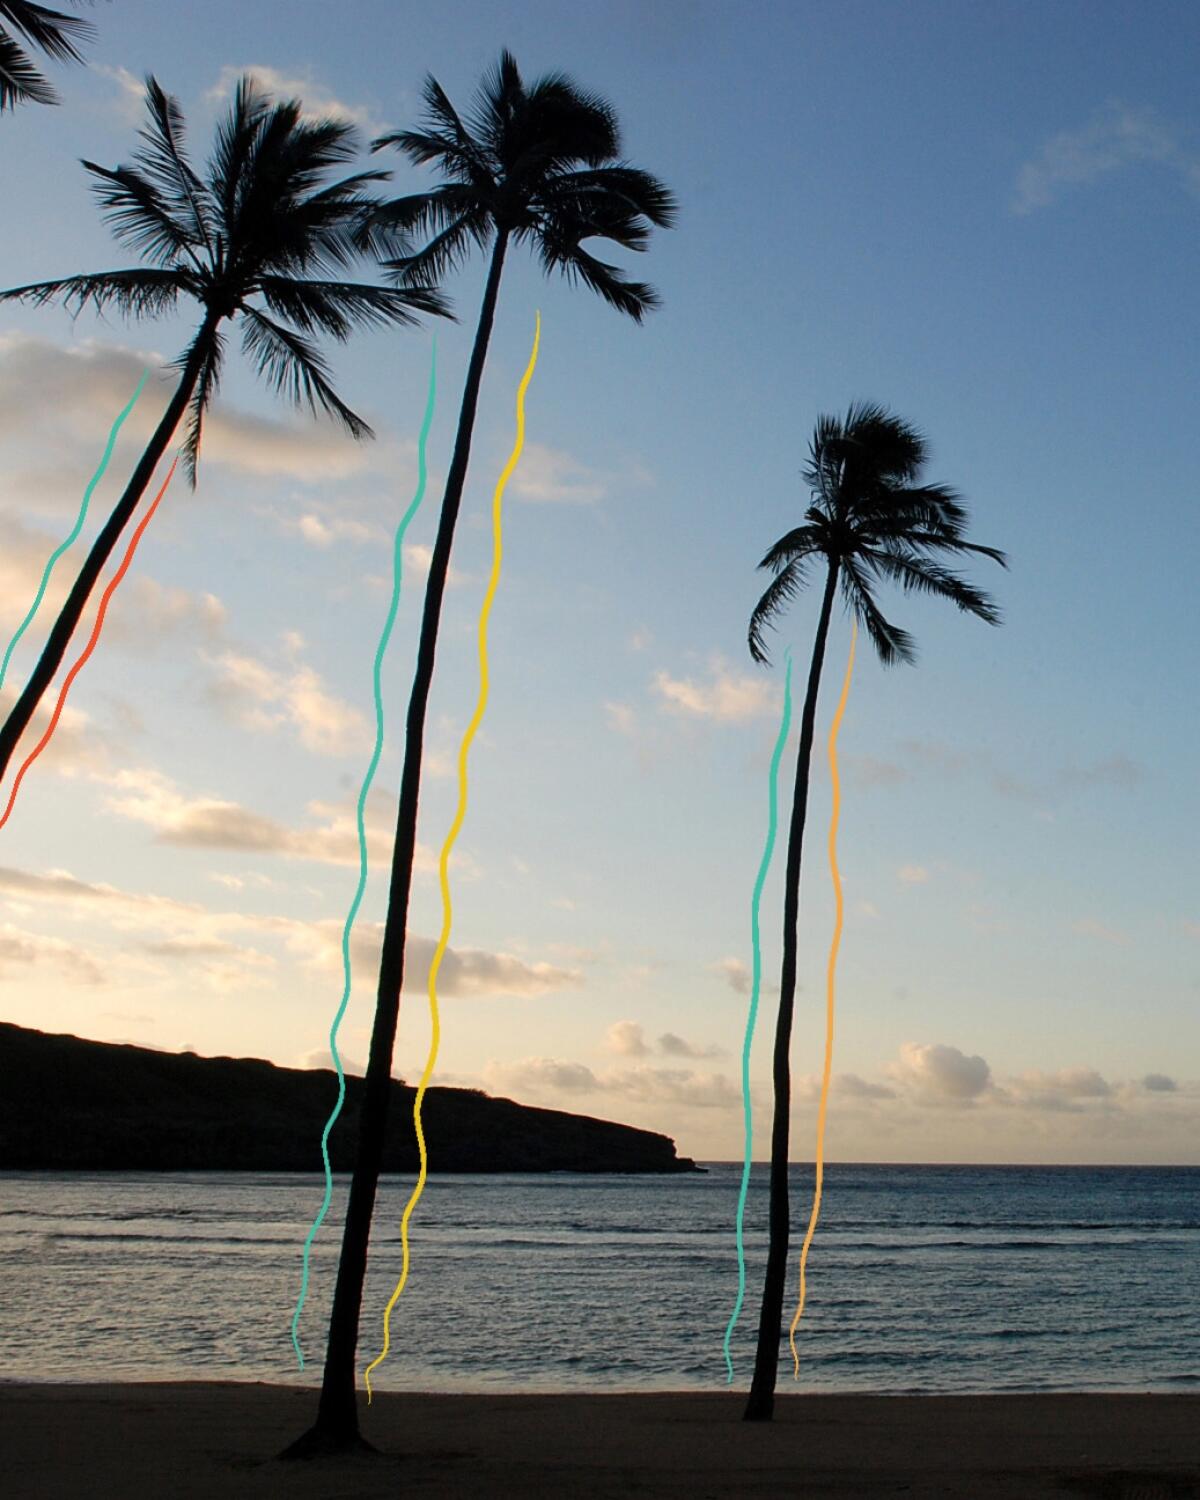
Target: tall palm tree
point(260, 223)
point(58, 36)
point(870, 521)
point(532, 165)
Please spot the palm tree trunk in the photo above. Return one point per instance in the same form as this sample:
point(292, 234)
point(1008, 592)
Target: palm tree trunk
point(69, 616)
point(761, 1403)
point(336, 1426)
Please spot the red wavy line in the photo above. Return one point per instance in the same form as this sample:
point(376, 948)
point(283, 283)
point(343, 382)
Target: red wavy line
point(91, 645)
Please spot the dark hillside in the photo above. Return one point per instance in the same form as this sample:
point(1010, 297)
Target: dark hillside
point(71, 1104)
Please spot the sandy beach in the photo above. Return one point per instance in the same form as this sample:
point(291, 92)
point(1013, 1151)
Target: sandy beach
point(211, 1440)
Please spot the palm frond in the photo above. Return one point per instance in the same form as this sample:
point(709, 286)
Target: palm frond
point(162, 156)
point(137, 293)
point(338, 307)
point(386, 228)
point(891, 643)
point(778, 593)
point(444, 253)
point(57, 35)
point(602, 189)
point(635, 298)
point(797, 543)
point(20, 81)
point(205, 389)
point(235, 138)
point(917, 574)
point(295, 368)
point(134, 210)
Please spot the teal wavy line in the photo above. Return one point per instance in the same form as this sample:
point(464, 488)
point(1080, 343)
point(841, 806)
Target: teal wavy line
point(397, 568)
point(773, 800)
point(78, 527)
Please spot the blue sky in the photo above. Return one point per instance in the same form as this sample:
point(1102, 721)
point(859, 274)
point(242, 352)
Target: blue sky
point(984, 218)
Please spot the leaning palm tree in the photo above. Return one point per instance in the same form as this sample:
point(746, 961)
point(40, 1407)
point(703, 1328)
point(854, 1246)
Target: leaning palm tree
point(260, 223)
point(870, 520)
point(532, 165)
point(55, 33)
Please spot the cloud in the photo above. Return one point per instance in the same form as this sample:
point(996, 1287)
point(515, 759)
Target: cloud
point(1088, 927)
point(912, 874)
point(548, 474)
point(264, 699)
point(1116, 770)
point(727, 698)
point(640, 1084)
point(736, 974)
point(1116, 137)
point(129, 104)
point(672, 1045)
point(1159, 1083)
point(25, 949)
point(322, 1057)
point(938, 1074)
point(640, 639)
point(466, 973)
point(854, 1087)
point(1057, 1091)
point(621, 718)
point(58, 403)
point(419, 557)
point(626, 1037)
point(318, 101)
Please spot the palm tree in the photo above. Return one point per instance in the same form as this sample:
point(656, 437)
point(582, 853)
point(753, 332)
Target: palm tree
point(870, 520)
point(259, 223)
point(54, 32)
point(532, 165)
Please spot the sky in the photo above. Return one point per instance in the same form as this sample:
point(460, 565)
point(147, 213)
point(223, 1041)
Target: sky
point(984, 218)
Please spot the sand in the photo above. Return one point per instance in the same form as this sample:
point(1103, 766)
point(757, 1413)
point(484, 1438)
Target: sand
point(210, 1441)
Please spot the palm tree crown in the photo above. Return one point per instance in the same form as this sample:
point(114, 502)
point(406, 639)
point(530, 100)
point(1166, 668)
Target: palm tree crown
point(537, 164)
point(259, 223)
point(54, 32)
point(870, 520)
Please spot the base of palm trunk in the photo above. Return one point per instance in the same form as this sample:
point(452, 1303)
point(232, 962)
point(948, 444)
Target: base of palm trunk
point(324, 1442)
point(759, 1408)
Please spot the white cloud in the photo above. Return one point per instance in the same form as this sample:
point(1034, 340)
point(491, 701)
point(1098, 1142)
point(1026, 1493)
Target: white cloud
point(547, 474)
point(1089, 927)
point(129, 103)
point(541, 1076)
point(938, 1074)
point(1116, 137)
point(621, 718)
point(1057, 1091)
point(58, 404)
point(912, 874)
point(319, 102)
point(728, 697)
point(627, 1038)
point(673, 1045)
point(263, 699)
point(27, 949)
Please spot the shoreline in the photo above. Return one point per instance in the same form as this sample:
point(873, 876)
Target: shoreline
point(207, 1439)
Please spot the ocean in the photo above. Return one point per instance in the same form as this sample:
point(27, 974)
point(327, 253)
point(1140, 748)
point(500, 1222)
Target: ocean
point(920, 1279)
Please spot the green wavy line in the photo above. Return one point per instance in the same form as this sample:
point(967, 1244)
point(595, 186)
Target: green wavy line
point(773, 798)
point(397, 568)
point(78, 527)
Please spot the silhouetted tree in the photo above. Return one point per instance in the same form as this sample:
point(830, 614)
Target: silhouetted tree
point(54, 32)
point(870, 521)
point(259, 224)
point(532, 165)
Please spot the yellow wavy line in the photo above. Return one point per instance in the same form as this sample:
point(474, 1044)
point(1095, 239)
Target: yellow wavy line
point(833, 950)
point(447, 914)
